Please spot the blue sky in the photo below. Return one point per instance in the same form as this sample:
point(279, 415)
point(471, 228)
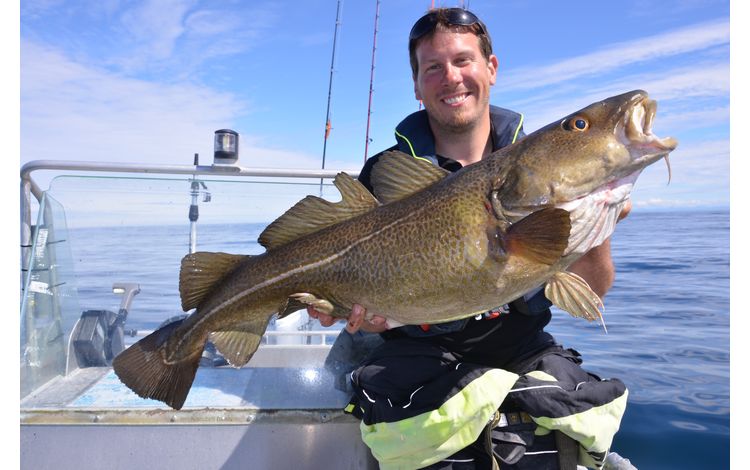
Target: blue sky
point(150, 81)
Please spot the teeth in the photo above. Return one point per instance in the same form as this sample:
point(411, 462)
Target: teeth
point(649, 116)
point(455, 99)
point(636, 120)
point(638, 127)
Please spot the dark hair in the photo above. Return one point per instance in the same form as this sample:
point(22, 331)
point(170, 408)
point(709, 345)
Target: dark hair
point(443, 19)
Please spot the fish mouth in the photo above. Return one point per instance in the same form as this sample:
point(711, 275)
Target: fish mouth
point(636, 133)
point(638, 127)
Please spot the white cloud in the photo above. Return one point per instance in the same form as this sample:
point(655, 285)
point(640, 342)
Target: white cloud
point(661, 202)
point(71, 111)
point(700, 176)
point(681, 41)
point(155, 25)
point(211, 23)
point(684, 84)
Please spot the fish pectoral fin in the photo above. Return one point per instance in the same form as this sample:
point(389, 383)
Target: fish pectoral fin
point(542, 236)
point(571, 293)
point(238, 345)
point(397, 175)
point(312, 213)
point(201, 271)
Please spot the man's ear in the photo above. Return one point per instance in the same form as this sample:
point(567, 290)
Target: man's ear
point(493, 63)
point(417, 94)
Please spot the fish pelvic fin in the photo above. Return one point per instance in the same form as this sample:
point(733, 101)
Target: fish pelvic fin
point(542, 236)
point(312, 213)
point(301, 300)
point(143, 367)
point(201, 271)
point(289, 306)
point(572, 293)
point(397, 175)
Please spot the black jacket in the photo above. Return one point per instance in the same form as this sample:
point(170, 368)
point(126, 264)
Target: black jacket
point(503, 337)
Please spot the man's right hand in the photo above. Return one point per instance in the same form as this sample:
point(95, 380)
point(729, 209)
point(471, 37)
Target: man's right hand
point(355, 322)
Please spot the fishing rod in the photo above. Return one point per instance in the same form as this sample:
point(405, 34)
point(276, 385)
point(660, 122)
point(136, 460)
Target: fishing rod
point(372, 75)
point(330, 89)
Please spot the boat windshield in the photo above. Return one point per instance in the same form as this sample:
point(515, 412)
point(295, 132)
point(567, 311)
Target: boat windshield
point(107, 249)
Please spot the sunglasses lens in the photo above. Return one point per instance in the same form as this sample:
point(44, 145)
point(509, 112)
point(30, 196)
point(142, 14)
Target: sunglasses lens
point(452, 16)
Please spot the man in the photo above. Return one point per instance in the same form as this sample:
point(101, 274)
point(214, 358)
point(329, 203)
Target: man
point(409, 389)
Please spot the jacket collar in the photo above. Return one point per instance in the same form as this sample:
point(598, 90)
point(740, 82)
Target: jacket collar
point(414, 136)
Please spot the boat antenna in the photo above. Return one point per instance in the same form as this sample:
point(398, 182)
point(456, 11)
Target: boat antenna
point(330, 88)
point(372, 75)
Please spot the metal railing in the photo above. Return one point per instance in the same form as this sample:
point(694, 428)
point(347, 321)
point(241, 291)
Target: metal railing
point(29, 187)
point(319, 336)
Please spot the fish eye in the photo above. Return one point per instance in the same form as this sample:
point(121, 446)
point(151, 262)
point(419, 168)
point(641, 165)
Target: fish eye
point(577, 123)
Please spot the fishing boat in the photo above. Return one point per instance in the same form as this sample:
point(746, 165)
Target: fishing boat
point(281, 410)
point(99, 268)
point(100, 256)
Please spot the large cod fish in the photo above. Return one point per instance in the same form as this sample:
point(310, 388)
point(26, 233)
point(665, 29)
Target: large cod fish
point(432, 246)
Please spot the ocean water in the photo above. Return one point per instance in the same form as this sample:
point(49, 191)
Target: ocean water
point(667, 317)
point(668, 321)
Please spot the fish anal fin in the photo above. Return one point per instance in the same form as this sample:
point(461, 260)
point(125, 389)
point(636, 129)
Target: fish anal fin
point(397, 175)
point(570, 292)
point(542, 236)
point(144, 369)
point(312, 213)
point(239, 344)
point(201, 271)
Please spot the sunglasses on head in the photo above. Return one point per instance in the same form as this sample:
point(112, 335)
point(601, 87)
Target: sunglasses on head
point(452, 16)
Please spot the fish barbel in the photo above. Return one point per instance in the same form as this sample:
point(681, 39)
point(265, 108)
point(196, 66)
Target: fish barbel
point(429, 247)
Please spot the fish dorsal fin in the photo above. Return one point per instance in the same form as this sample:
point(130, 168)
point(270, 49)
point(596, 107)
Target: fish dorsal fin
point(542, 236)
point(239, 343)
point(199, 273)
point(397, 175)
point(313, 213)
point(571, 293)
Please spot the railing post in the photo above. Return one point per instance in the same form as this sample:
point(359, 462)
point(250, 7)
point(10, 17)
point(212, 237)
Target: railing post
point(25, 228)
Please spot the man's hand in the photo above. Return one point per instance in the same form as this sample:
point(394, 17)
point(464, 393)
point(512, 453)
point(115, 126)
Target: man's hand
point(355, 322)
point(625, 210)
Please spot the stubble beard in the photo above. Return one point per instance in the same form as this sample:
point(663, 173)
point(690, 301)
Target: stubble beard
point(459, 123)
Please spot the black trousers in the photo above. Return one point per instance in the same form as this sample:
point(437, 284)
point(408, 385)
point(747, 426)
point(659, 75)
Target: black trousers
point(399, 367)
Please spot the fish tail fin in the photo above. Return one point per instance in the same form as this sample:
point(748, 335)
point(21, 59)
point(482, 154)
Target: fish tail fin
point(143, 367)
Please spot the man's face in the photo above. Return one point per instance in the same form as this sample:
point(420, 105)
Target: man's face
point(454, 79)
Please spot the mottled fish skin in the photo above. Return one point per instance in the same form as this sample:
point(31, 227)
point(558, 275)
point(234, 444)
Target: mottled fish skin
point(386, 261)
point(473, 240)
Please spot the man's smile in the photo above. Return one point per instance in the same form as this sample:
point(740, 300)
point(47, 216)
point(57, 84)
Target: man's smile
point(456, 99)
